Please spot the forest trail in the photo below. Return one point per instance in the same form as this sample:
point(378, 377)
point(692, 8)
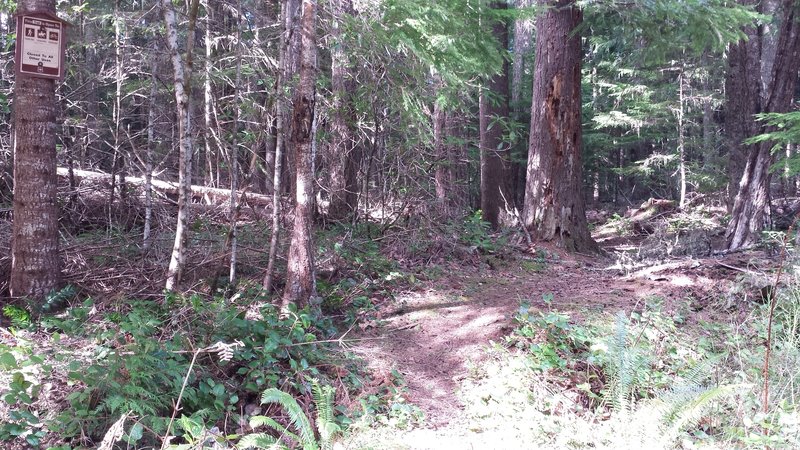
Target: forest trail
point(436, 334)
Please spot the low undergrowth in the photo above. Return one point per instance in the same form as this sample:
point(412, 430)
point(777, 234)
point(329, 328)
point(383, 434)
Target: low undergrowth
point(151, 361)
point(646, 379)
point(194, 371)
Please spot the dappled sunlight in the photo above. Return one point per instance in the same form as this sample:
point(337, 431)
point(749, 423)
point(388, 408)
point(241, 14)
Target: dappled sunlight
point(452, 343)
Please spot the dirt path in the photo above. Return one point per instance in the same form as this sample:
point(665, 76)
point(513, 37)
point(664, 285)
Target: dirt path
point(433, 334)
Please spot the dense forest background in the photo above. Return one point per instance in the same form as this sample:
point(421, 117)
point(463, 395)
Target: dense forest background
point(429, 117)
point(317, 155)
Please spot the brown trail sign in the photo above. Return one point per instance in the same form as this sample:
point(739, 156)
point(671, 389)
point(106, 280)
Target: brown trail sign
point(41, 45)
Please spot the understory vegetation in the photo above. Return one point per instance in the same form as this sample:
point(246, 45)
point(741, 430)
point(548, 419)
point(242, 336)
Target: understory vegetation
point(399, 224)
point(234, 371)
point(200, 370)
point(649, 379)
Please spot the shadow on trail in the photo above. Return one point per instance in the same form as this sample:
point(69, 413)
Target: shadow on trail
point(432, 339)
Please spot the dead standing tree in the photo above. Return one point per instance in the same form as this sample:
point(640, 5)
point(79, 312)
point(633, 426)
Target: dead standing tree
point(554, 205)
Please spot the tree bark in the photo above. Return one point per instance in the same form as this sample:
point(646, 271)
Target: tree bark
point(523, 30)
point(276, 205)
point(182, 81)
point(743, 92)
point(119, 79)
point(277, 174)
point(291, 20)
point(443, 175)
point(681, 140)
point(211, 156)
point(750, 214)
point(493, 105)
point(342, 155)
point(522, 38)
point(233, 212)
point(554, 204)
point(92, 150)
point(300, 285)
point(35, 263)
point(148, 158)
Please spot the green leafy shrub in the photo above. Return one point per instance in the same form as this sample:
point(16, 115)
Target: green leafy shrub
point(549, 338)
point(142, 353)
point(23, 420)
point(19, 317)
point(475, 233)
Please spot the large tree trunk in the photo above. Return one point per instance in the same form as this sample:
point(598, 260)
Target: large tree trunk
point(743, 91)
point(493, 104)
point(750, 213)
point(300, 286)
point(182, 81)
point(554, 204)
point(342, 155)
point(35, 263)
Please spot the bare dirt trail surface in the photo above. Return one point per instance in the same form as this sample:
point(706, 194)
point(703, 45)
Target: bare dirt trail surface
point(434, 334)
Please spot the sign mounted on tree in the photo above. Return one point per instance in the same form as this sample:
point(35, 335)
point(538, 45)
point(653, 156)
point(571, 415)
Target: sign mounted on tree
point(41, 45)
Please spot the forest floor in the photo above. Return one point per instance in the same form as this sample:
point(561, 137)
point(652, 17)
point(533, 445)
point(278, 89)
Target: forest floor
point(462, 338)
point(441, 339)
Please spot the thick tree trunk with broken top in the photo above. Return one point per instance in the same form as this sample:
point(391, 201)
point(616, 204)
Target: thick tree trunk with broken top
point(554, 204)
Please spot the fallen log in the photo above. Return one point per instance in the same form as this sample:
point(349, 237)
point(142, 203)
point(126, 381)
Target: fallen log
point(200, 194)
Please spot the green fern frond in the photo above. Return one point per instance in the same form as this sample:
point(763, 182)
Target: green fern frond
point(296, 415)
point(686, 406)
point(264, 421)
point(116, 403)
point(260, 441)
point(326, 424)
point(622, 368)
point(323, 398)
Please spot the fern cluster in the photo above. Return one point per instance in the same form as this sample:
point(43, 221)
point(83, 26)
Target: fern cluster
point(684, 404)
point(303, 433)
point(624, 369)
point(140, 361)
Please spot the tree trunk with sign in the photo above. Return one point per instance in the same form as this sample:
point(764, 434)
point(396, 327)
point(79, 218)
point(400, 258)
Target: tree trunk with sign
point(35, 263)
